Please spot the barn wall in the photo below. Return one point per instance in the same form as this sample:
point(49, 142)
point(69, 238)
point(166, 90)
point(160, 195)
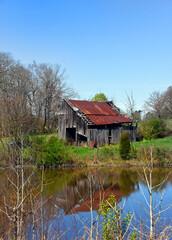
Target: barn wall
point(99, 136)
point(82, 127)
point(67, 118)
point(61, 127)
point(117, 132)
point(106, 136)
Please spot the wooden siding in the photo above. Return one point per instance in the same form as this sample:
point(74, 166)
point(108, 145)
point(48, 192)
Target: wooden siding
point(71, 124)
point(61, 127)
point(117, 132)
point(99, 136)
point(82, 127)
point(106, 136)
point(67, 118)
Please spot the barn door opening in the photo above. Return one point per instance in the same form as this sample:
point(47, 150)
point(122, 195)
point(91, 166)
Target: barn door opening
point(81, 140)
point(71, 134)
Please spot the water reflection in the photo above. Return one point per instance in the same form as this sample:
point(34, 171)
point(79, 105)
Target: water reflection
point(72, 191)
point(71, 187)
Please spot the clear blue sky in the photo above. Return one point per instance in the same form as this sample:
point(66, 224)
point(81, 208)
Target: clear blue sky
point(109, 46)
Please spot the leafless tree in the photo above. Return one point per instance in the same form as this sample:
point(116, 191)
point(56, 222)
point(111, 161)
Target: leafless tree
point(30, 95)
point(147, 177)
point(155, 104)
point(159, 104)
point(51, 89)
point(168, 102)
point(130, 105)
point(15, 89)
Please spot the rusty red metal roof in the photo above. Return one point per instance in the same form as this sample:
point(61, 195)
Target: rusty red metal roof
point(95, 108)
point(100, 113)
point(104, 120)
point(85, 206)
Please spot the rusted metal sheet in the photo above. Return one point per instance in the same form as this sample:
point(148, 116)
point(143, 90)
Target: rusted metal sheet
point(100, 113)
point(93, 108)
point(105, 120)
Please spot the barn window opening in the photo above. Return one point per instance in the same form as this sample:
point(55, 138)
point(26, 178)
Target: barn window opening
point(71, 134)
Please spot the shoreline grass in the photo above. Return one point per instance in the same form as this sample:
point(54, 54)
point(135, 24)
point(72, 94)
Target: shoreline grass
point(106, 155)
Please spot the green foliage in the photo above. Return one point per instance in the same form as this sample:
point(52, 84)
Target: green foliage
point(114, 227)
point(134, 235)
point(100, 97)
point(106, 152)
point(152, 128)
point(133, 153)
point(161, 155)
point(50, 153)
point(139, 136)
point(124, 146)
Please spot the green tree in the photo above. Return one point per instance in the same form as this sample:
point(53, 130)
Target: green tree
point(100, 97)
point(124, 146)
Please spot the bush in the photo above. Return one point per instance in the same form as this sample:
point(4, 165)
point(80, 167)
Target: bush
point(50, 153)
point(139, 136)
point(106, 152)
point(133, 153)
point(152, 128)
point(161, 155)
point(124, 146)
point(114, 223)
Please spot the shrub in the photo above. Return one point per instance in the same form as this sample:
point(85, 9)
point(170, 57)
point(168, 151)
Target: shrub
point(152, 128)
point(106, 152)
point(161, 155)
point(114, 224)
point(50, 153)
point(133, 153)
point(124, 146)
point(139, 136)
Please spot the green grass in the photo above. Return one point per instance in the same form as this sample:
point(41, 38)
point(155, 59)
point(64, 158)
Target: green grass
point(104, 155)
point(82, 152)
point(159, 142)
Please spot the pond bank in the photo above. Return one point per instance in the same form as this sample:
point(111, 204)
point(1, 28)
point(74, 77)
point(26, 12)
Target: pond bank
point(93, 165)
point(49, 152)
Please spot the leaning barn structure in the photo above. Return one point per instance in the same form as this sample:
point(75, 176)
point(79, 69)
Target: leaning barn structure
point(96, 123)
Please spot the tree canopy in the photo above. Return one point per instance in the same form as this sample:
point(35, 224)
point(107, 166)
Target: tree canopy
point(100, 97)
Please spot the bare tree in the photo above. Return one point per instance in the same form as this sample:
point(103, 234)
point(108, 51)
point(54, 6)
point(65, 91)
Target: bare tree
point(155, 104)
point(51, 89)
point(168, 102)
point(130, 105)
point(15, 91)
point(151, 203)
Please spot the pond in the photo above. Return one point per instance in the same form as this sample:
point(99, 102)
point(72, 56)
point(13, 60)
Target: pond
point(64, 203)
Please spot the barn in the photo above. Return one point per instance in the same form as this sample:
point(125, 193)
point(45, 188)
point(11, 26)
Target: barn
point(95, 123)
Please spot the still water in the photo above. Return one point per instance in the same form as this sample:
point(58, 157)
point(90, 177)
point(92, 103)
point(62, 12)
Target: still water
point(64, 203)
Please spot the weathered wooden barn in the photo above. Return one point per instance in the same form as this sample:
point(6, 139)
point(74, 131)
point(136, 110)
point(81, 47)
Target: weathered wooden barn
point(95, 123)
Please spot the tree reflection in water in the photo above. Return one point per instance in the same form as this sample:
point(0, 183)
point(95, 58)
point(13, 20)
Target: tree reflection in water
point(61, 208)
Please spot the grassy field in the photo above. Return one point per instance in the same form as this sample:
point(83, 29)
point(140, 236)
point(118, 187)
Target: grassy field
point(102, 155)
point(111, 153)
point(160, 142)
